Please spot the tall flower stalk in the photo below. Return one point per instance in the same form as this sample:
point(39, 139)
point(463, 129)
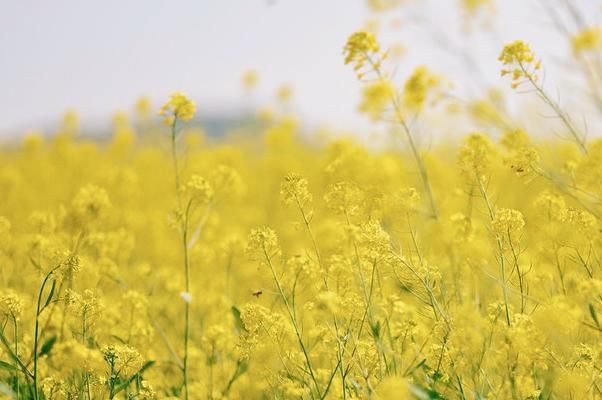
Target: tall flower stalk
point(520, 64)
point(180, 107)
point(363, 52)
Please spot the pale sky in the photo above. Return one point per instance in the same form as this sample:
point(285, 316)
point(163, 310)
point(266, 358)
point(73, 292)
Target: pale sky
point(100, 56)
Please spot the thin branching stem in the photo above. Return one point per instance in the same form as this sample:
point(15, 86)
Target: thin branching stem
point(36, 337)
point(184, 232)
point(500, 246)
point(564, 117)
point(291, 315)
point(424, 176)
point(340, 348)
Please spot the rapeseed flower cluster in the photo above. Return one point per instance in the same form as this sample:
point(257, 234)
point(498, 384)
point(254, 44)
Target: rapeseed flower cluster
point(313, 272)
point(519, 62)
point(180, 107)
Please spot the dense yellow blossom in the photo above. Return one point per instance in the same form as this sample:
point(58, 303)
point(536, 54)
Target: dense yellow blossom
point(417, 88)
point(358, 45)
point(507, 221)
point(199, 189)
point(476, 155)
point(519, 62)
point(179, 106)
point(376, 98)
point(587, 39)
point(11, 304)
point(294, 190)
point(337, 260)
point(363, 52)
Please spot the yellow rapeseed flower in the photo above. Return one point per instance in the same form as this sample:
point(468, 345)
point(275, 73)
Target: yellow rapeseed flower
point(588, 39)
point(519, 62)
point(376, 97)
point(250, 79)
point(418, 87)
point(179, 106)
point(362, 48)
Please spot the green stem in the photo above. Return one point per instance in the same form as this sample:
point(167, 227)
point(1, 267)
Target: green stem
point(16, 336)
point(174, 156)
point(237, 373)
point(187, 303)
point(293, 321)
point(566, 120)
point(340, 349)
point(500, 249)
point(13, 356)
point(521, 275)
point(112, 380)
point(408, 135)
point(37, 334)
point(419, 163)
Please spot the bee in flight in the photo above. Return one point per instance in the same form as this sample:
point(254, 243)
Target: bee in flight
point(257, 293)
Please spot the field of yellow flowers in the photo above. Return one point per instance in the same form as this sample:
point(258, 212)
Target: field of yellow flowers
point(159, 264)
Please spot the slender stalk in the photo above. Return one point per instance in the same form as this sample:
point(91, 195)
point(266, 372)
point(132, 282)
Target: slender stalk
point(435, 305)
point(501, 252)
point(16, 336)
point(174, 156)
point(210, 390)
point(433, 302)
point(591, 71)
point(367, 311)
point(237, 373)
point(112, 381)
point(187, 303)
point(413, 147)
point(419, 162)
point(566, 120)
point(367, 299)
point(521, 275)
point(585, 200)
point(291, 315)
point(13, 356)
point(89, 392)
point(37, 333)
point(340, 349)
point(167, 342)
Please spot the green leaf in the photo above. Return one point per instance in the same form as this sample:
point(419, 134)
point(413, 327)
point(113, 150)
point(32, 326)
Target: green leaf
point(421, 364)
point(50, 295)
point(594, 315)
point(122, 341)
point(211, 360)
point(424, 393)
point(437, 375)
point(127, 382)
point(47, 345)
point(240, 326)
point(243, 366)
point(146, 366)
point(375, 329)
point(5, 365)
